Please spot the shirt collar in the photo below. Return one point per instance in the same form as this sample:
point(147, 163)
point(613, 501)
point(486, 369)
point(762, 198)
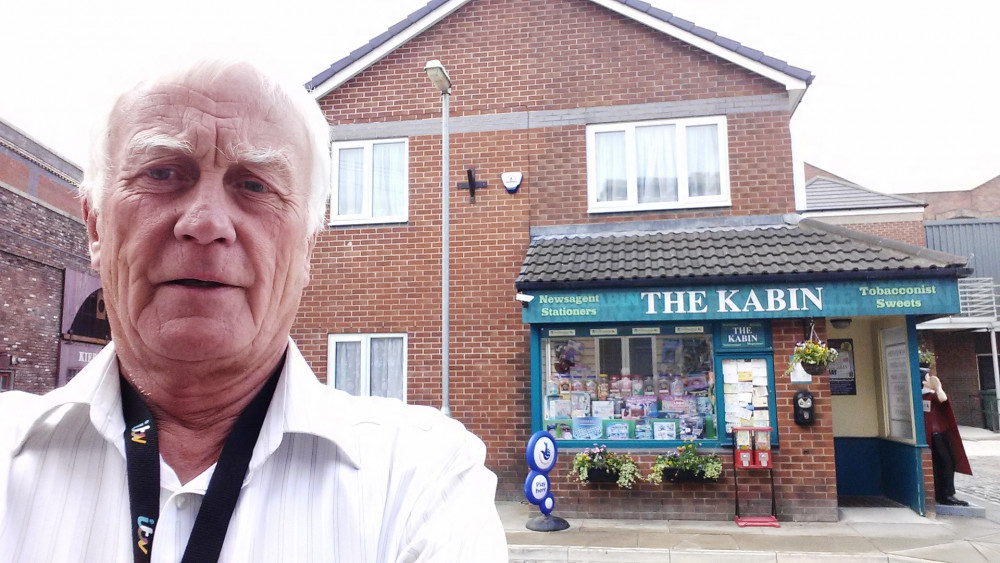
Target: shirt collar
point(301, 405)
point(95, 386)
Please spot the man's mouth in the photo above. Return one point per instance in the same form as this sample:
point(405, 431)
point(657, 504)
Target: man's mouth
point(189, 282)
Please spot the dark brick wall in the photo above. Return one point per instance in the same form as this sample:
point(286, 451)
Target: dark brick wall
point(37, 244)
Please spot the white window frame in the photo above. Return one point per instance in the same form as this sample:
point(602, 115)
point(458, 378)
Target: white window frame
point(684, 201)
point(365, 341)
point(366, 217)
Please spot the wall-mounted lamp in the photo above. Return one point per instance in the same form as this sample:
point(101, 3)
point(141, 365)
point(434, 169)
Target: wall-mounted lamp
point(840, 323)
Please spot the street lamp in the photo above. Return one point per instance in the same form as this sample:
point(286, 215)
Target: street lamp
point(439, 78)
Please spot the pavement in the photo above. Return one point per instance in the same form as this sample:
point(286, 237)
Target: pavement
point(861, 534)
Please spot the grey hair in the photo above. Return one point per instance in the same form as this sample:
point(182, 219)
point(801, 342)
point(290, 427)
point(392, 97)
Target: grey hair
point(273, 93)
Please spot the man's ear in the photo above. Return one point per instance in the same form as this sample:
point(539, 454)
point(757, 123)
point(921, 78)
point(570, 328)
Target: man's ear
point(90, 218)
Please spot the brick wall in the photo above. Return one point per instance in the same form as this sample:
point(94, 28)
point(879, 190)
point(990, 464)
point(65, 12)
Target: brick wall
point(33, 169)
point(981, 201)
point(958, 370)
point(518, 55)
point(911, 232)
point(37, 244)
point(386, 278)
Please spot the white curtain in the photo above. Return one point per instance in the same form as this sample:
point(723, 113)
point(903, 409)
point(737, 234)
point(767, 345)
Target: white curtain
point(388, 191)
point(350, 181)
point(610, 154)
point(703, 160)
point(387, 367)
point(656, 168)
point(347, 367)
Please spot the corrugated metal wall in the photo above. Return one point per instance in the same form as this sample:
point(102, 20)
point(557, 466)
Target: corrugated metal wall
point(977, 238)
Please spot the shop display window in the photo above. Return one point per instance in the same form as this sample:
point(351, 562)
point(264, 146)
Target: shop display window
point(629, 383)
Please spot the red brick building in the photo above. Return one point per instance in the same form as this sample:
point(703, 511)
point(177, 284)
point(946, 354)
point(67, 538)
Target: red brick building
point(652, 239)
point(44, 268)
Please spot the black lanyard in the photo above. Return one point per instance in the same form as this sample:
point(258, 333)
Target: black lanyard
point(142, 456)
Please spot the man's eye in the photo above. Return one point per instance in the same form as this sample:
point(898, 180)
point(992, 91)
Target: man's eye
point(254, 186)
point(161, 174)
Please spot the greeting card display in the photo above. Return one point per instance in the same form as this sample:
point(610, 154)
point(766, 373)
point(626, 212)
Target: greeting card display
point(665, 429)
point(640, 406)
point(602, 409)
point(619, 429)
point(580, 404)
point(561, 429)
point(587, 428)
point(559, 408)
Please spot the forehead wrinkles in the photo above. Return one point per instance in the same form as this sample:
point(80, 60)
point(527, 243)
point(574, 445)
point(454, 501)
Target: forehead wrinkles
point(234, 124)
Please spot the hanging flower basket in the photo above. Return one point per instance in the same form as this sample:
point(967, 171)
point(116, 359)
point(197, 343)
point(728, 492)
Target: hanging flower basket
point(814, 369)
point(814, 355)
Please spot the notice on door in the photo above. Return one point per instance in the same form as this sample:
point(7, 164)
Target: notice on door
point(842, 380)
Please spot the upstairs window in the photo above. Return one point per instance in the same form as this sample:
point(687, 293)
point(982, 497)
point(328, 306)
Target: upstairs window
point(369, 182)
point(650, 165)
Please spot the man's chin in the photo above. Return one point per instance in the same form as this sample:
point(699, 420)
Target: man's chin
point(195, 340)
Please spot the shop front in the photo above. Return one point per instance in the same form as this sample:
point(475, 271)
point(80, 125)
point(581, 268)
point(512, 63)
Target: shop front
point(645, 368)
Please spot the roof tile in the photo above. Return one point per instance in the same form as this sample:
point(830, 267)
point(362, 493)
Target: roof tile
point(809, 247)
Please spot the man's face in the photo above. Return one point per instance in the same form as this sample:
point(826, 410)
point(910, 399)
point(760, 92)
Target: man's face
point(202, 239)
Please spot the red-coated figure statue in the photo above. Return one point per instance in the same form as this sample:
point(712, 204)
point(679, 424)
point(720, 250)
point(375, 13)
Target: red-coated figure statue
point(947, 451)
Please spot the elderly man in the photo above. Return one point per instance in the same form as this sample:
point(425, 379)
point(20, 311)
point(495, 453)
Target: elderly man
point(200, 433)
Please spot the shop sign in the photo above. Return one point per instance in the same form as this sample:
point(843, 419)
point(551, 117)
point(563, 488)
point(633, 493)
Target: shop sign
point(827, 299)
point(745, 336)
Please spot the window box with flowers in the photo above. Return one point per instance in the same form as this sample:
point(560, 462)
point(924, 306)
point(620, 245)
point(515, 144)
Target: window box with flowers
point(599, 465)
point(686, 464)
point(813, 355)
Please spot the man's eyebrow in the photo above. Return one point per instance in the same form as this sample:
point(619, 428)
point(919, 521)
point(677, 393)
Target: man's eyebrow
point(145, 141)
point(271, 158)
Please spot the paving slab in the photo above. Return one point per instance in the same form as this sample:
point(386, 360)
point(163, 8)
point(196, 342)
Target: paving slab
point(951, 552)
point(808, 544)
point(906, 530)
point(814, 557)
point(722, 557)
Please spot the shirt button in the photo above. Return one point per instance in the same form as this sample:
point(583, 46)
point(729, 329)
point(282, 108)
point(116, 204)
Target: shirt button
point(182, 502)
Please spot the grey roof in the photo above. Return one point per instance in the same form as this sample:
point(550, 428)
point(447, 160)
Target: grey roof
point(723, 251)
point(829, 194)
point(644, 7)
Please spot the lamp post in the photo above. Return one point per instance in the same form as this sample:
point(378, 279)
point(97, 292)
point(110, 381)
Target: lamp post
point(439, 78)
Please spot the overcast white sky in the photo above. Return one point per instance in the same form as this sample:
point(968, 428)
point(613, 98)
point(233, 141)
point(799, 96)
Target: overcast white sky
point(904, 100)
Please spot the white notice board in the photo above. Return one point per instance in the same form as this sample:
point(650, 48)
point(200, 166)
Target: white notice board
point(898, 388)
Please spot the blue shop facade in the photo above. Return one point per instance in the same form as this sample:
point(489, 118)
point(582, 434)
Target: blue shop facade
point(676, 350)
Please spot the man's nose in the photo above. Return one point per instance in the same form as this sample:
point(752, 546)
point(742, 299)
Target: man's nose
point(206, 214)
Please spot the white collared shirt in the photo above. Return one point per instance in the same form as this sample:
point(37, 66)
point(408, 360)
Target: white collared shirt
point(332, 478)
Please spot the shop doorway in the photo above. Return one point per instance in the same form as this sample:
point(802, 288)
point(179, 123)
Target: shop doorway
point(876, 446)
